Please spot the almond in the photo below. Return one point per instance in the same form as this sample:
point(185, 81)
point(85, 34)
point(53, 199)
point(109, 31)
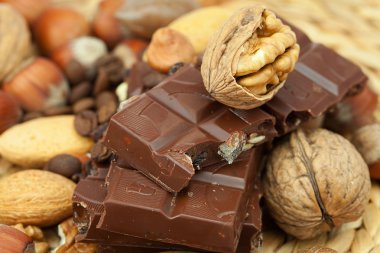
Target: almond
point(33, 143)
point(35, 197)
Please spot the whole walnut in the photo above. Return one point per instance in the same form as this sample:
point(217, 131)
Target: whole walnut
point(15, 42)
point(315, 181)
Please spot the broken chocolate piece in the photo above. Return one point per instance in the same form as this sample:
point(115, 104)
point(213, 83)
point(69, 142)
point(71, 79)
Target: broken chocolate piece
point(214, 205)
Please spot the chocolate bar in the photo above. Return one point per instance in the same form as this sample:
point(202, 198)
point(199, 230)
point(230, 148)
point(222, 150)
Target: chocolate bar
point(88, 207)
point(213, 205)
point(176, 126)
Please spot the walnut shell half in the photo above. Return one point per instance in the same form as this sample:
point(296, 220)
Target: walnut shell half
point(315, 181)
point(247, 61)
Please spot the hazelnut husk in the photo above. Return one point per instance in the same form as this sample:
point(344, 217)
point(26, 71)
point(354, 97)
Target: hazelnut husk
point(315, 181)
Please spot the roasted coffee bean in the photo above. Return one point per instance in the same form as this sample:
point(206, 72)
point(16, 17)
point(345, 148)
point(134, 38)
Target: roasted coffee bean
point(175, 68)
point(84, 104)
point(80, 91)
point(85, 122)
point(101, 82)
point(113, 66)
point(57, 110)
point(98, 132)
point(106, 104)
point(65, 165)
point(75, 72)
point(100, 153)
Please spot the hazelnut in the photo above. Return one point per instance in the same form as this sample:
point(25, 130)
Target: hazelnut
point(38, 84)
point(129, 51)
point(106, 26)
point(315, 181)
point(248, 60)
point(77, 58)
point(367, 141)
point(28, 8)
point(10, 111)
point(167, 48)
point(55, 27)
point(15, 43)
point(353, 112)
point(13, 240)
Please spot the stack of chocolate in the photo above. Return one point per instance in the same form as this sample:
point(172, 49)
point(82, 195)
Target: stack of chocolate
point(186, 172)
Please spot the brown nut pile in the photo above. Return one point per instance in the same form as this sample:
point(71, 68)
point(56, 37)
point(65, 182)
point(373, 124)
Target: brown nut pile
point(306, 183)
point(247, 61)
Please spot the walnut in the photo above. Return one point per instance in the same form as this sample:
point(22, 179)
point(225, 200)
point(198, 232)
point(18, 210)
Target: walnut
point(319, 249)
point(15, 43)
point(247, 61)
point(315, 181)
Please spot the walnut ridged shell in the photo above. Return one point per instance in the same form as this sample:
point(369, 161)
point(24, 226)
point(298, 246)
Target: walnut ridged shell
point(315, 181)
point(15, 42)
point(248, 60)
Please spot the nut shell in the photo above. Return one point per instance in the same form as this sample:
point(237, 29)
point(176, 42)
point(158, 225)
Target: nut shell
point(39, 84)
point(57, 26)
point(167, 48)
point(10, 111)
point(43, 198)
point(15, 43)
point(247, 61)
point(314, 181)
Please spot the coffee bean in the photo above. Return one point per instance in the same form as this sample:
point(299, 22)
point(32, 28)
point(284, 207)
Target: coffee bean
point(98, 132)
point(175, 68)
point(84, 104)
point(113, 66)
point(85, 122)
point(65, 165)
point(57, 110)
point(100, 153)
point(106, 104)
point(80, 91)
point(101, 82)
point(75, 72)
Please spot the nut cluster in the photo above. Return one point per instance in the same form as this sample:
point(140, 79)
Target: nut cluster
point(249, 59)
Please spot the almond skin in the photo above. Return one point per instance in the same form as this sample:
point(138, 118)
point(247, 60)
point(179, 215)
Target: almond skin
point(35, 197)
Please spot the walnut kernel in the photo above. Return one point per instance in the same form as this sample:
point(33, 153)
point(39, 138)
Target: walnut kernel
point(247, 61)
